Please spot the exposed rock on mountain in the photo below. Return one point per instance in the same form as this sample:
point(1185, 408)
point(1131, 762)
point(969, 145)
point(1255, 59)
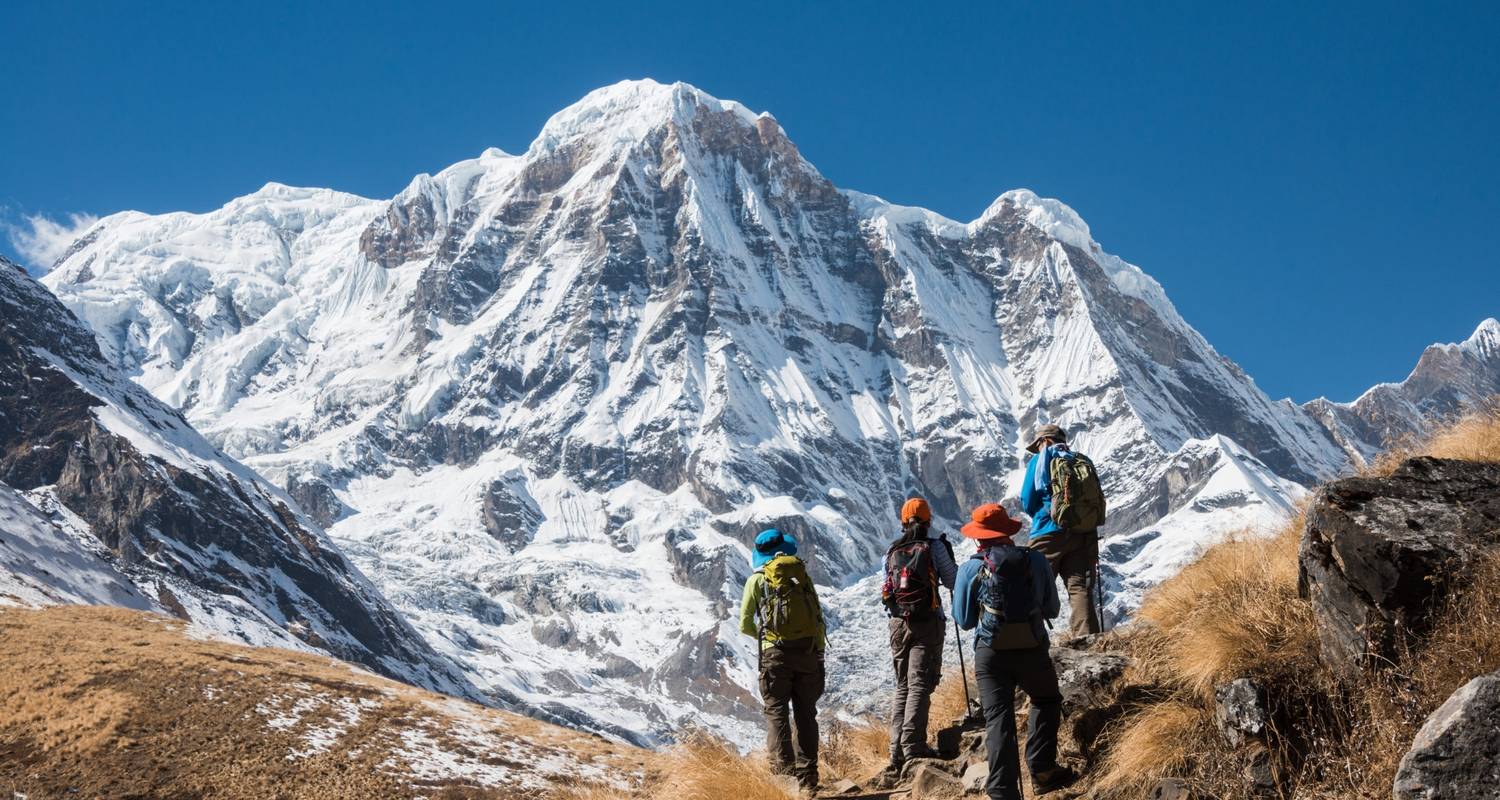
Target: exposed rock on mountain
point(1377, 552)
point(1448, 379)
point(545, 400)
point(126, 505)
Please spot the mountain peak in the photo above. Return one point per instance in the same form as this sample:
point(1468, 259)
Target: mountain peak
point(1486, 337)
point(1053, 217)
point(628, 110)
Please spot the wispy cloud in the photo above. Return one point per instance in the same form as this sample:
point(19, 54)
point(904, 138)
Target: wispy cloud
point(40, 240)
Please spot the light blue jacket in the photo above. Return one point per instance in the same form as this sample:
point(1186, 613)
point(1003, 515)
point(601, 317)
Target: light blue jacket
point(1036, 500)
point(968, 593)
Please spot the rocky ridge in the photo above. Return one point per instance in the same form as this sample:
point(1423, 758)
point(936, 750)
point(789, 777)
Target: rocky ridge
point(107, 496)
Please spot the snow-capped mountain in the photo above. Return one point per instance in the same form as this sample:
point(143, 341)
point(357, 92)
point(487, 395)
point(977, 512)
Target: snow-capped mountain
point(545, 400)
point(107, 496)
point(1448, 378)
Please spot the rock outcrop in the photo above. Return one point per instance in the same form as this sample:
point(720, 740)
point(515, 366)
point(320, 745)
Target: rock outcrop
point(201, 535)
point(1378, 552)
point(1456, 754)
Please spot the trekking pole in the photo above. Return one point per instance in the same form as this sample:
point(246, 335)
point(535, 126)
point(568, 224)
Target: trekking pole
point(1099, 597)
point(958, 641)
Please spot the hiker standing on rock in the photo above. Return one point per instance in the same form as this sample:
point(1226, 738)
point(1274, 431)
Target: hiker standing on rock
point(780, 608)
point(1061, 493)
point(1006, 592)
point(915, 565)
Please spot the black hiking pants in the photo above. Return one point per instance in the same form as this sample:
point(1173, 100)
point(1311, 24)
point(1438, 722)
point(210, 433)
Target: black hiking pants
point(999, 672)
point(1073, 556)
point(917, 656)
point(791, 681)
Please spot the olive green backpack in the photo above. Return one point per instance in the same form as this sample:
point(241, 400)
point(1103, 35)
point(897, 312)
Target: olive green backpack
point(788, 608)
point(1077, 498)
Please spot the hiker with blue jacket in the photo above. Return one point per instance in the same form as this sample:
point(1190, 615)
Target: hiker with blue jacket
point(1006, 593)
point(780, 609)
point(1066, 529)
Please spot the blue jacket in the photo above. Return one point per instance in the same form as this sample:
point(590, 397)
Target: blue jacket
point(1036, 501)
point(969, 589)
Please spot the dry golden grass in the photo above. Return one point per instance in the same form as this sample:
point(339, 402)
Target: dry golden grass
point(106, 702)
point(700, 768)
point(948, 700)
point(1233, 612)
point(1472, 437)
point(1159, 741)
point(855, 750)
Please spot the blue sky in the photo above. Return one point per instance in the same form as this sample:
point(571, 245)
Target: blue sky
point(1315, 185)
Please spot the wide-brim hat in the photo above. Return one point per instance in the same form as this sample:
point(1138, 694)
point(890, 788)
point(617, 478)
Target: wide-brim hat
point(990, 521)
point(1052, 432)
point(770, 544)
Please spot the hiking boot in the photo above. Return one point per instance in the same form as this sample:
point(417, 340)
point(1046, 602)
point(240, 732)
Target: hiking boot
point(890, 777)
point(922, 751)
point(1050, 780)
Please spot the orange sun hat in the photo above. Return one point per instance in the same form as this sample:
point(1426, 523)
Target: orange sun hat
point(915, 508)
point(990, 521)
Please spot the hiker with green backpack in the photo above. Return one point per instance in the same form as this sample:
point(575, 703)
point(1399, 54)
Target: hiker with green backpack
point(780, 609)
point(1062, 495)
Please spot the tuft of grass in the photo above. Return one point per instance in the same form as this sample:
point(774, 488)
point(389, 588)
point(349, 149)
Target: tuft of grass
point(855, 750)
point(948, 701)
point(1156, 742)
point(1233, 612)
point(708, 768)
point(1474, 436)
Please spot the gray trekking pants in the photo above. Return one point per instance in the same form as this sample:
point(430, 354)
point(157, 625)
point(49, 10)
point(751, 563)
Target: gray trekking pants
point(917, 656)
point(1073, 555)
point(791, 681)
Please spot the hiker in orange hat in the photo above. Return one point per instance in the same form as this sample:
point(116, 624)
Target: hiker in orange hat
point(1005, 593)
point(916, 564)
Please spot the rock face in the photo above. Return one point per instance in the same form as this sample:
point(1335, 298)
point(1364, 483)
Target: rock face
point(1456, 754)
point(1448, 379)
point(1376, 552)
point(121, 484)
point(569, 385)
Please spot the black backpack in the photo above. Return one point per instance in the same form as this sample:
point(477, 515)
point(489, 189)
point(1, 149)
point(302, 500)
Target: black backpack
point(910, 588)
point(1010, 615)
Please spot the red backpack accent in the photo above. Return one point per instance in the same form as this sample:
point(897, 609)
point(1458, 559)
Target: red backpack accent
point(910, 587)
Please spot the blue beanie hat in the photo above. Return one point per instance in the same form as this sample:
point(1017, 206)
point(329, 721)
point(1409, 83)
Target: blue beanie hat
point(770, 544)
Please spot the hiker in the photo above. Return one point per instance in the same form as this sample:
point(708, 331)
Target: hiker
point(780, 608)
point(915, 565)
point(1006, 592)
point(1067, 533)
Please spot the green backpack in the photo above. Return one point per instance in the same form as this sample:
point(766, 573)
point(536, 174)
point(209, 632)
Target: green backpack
point(1077, 498)
point(788, 608)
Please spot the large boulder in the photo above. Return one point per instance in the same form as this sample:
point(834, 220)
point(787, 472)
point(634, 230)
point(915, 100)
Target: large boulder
point(1456, 755)
point(1377, 552)
point(1093, 695)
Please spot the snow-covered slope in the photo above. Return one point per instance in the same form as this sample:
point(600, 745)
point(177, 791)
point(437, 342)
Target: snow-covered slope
point(108, 496)
point(545, 400)
point(1448, 379)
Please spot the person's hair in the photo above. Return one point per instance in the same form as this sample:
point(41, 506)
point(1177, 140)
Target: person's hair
point(915, 528)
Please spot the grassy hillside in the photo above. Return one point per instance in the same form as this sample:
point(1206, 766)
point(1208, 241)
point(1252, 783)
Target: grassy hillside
point(105, 702)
